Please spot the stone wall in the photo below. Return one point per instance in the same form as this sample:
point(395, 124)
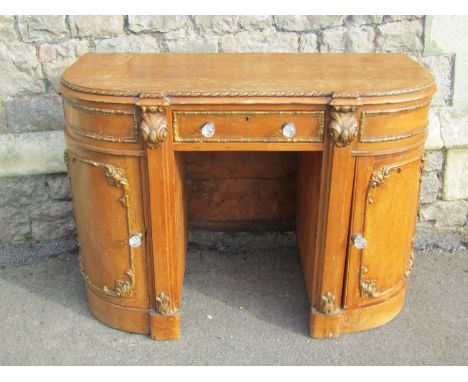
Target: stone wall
point(35, 205)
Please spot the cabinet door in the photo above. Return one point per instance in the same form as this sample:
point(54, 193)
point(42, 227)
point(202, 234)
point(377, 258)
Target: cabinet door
point(385, 204)
point(108, 211)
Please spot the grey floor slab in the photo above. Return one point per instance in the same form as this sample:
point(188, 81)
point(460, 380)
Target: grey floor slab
point(244, 304)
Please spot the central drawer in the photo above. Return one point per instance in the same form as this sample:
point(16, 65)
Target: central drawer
point(248, 126)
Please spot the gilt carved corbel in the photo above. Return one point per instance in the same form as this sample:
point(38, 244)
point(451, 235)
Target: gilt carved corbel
point(162, 304)
point(343, 127)
point(153, 126)
point(328, 303)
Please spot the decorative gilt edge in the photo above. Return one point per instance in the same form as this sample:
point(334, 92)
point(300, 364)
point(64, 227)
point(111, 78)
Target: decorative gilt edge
point(96, 91)
point(320, 114)
point(130, 93)
point(153, 125)
point(387, 138)
point(343, 125)
point(115, 177)
point(328, 303)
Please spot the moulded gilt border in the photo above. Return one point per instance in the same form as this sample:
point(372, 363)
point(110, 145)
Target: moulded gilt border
point(101, 111)
point(320, 114)
point(386, 138)
point(134, 93)
point(367, 287)
point(115, 177)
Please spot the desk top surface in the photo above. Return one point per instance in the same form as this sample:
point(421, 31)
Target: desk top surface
point(247, 74)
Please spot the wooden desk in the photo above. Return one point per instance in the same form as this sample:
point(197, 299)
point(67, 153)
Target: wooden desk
point(356, 124)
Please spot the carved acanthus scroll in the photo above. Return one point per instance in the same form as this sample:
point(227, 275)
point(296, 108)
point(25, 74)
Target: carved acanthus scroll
point(343, 127)
point(162, 304)
point(378, 178)
point(328, 303)
point(153, 126)
point(367, 287)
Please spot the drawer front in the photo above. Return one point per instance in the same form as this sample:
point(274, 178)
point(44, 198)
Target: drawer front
point(110, 123)
point(248, 126)
point(394, 123)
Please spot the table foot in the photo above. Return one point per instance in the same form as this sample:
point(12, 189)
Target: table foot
point(164, 327)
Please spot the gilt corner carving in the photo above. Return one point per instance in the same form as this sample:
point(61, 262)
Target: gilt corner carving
point(378, 178)
point(368, 287)
point(162, 304)
point(153, 126)
point(328, 303)
point(343, 127)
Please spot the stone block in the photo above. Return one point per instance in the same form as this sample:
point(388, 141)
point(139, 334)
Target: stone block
point(99, 26)
point(367, 19)
point(454, 126)
point(434, 139)
point(341, 39)
point(34, 113)
point(130, 43)
point(307, 23)
point(441, 68)
point(434, 161)
point(308, 42)
point(266, 41)
point(22, 191)
point(216, 25)
point(445, 214)
point(456, 175)
point(21, 71)
point(15, 225)
point(58, 187)
point(333, 40)
point(446, 34)
point(56, 58)
point(156, 23)
point(391, 18)
point(430, 186)
point(256, 22)
point(7, 28)
point(360, 39)
point(52, 220)
point(52, 209)
point(42, 28)
point(32, 153)
point(192, 43)
point(404, 36)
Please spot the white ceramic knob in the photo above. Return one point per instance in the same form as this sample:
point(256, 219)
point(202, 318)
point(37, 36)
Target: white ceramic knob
point(208, 129)
point(359, 241)
point(135, 240)
point(289, 130)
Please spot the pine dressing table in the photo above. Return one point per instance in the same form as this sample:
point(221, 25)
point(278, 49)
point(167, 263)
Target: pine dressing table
point(355, 123)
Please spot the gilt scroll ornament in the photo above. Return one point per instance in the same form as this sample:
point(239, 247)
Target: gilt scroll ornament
point(378, 178)
point(328, 303)
point(162, 304)
point(343, 128)
point(153, 126)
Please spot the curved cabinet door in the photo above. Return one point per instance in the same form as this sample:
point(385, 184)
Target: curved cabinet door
point(107, 201)
point(385, 204)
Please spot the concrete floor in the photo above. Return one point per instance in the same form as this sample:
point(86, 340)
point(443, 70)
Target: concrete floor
point(244, 304)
